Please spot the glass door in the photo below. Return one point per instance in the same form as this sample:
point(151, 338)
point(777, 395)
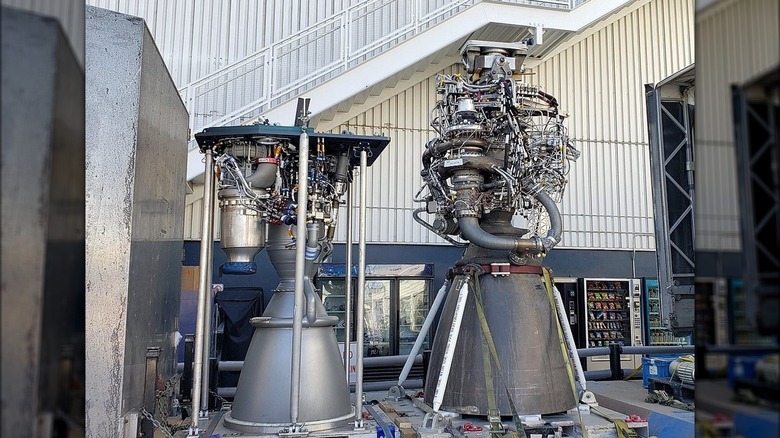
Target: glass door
point(376, 317)
point(412, 310)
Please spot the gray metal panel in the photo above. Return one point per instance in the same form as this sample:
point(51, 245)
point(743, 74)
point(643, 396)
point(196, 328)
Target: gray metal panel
point(137, 129)
point(725, 27)
point(42, 234)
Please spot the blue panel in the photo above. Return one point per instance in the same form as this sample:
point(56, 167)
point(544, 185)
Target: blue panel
point(763, 424)
point(679, 424)
point(238, 268)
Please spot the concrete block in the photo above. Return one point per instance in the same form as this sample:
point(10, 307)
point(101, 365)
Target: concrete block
point(42, 226)
point(136, 152)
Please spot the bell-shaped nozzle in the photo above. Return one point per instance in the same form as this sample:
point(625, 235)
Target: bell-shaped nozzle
point(242, 234)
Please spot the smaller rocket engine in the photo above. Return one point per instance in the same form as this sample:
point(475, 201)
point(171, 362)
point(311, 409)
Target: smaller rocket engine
point(260, 187)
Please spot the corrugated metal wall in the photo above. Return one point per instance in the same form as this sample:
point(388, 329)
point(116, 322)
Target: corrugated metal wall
point(599, 77)
point(70, 13)
point(196, 38)
point(722, 33)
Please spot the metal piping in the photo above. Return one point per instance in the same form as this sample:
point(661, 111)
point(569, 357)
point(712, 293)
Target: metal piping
point(300, 261)
point(423, 332)
point(207, 315)
point(361, 289)
point(206, 241)
point(472, 231)
point(311, 300)
point(348, 288)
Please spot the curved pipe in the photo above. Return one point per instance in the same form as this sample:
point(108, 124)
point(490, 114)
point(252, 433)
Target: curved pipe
point(419, 220)
point(311, 301)
point(471, 230)
point(482, 163)
point(556, 222)
point(438, 149)
point(264, 175)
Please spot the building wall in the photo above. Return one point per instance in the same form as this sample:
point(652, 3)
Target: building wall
point(599, 77)
point(723, 31)
point(199, 37)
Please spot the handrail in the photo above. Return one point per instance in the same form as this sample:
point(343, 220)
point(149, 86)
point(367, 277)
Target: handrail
point(296, 63)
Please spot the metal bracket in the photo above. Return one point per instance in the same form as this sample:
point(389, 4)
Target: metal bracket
point(396, 393)
point(588, 398)
point(500, 269)
point(294, 430)
point(359, 425)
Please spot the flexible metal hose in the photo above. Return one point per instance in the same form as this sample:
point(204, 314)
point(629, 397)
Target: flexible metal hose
point(472, 231)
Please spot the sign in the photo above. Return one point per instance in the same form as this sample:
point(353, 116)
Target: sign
point(352, 360)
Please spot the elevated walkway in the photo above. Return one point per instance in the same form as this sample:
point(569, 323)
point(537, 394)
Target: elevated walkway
point(359, 76)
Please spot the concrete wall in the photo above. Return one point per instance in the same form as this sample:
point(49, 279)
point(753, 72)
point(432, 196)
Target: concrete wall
point(137, 132)
point(42, 233)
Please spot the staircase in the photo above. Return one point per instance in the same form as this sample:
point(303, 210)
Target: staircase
point(344, 51)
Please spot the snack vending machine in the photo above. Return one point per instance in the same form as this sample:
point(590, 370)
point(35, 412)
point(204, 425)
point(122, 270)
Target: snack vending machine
point(613, 308)
point(573, 303)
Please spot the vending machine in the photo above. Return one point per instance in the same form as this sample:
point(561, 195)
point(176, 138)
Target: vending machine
point(574, 304)
point(613, 312)
point(656, 324)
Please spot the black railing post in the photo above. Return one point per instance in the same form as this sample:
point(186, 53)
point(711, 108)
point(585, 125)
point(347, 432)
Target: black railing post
point(614, 361)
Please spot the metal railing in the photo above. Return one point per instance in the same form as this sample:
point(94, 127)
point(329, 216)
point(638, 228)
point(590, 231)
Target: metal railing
point(293, 65)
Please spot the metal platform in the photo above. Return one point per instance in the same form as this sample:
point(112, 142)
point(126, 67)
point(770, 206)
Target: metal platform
point(411, 411)
point(629, 397)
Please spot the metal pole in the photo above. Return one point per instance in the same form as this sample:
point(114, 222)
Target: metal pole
point(563, 320)
point(207, 319)
point(300, 260)
point(423, 332)
point(204, 284)
point(361, 290)
point(348, 285)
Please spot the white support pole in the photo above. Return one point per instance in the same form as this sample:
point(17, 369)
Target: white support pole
point(563, 320)
point(423, 333)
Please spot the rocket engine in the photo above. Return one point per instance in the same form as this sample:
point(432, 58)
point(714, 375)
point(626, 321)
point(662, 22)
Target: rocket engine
point(502, 150)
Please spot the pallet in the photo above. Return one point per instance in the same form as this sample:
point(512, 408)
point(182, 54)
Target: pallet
point(677, 390)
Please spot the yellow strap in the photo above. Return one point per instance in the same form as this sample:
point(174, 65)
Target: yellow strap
point(488, 339)
point(622, 429)
point(549, 287)
point(633, 373)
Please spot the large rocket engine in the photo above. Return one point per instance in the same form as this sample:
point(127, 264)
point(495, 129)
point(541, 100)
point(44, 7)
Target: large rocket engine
point(502, 150)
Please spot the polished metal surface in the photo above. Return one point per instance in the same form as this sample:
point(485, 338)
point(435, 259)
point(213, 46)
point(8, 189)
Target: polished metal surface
point(348, 285)
point(242, 231)
point(263, 397)
point(361, 288)
point(136, 127)
point(523, 326)
point(301, 279)
point(204, 288)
